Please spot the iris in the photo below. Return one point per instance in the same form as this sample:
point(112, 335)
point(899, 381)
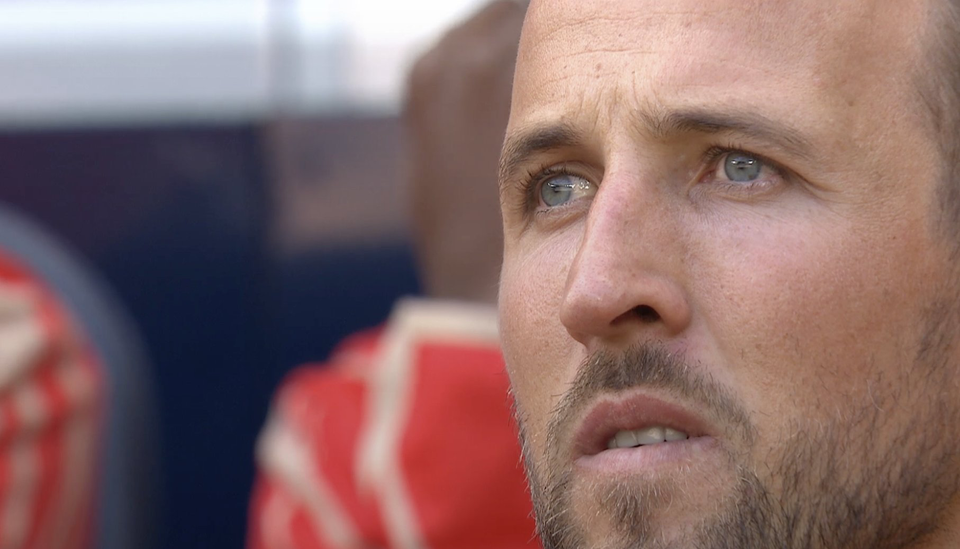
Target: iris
point(742, 168)
point(561, 189)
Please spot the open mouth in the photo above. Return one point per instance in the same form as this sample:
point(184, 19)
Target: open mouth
point(637, 420)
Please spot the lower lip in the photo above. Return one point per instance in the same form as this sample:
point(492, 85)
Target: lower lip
point(652, 458)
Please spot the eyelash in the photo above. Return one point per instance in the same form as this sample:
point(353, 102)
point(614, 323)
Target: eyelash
point(534, 178)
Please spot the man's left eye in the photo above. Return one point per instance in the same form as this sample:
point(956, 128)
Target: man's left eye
point(563, 188)
point(739, 167)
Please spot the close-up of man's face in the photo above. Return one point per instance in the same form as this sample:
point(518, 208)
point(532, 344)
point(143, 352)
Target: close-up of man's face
point(729, 298)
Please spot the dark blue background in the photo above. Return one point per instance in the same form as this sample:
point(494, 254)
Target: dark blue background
point(176, 219)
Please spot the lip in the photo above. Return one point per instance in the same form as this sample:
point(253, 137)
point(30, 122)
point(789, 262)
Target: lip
point(632, 411)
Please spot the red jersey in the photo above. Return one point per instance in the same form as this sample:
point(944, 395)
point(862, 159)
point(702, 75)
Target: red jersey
point(403, 440)
point(50, 418)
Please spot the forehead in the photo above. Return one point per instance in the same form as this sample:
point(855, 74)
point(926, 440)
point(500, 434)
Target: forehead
point(787, 56)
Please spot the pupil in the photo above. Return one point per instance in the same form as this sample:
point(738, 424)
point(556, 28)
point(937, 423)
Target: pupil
point(740, 167)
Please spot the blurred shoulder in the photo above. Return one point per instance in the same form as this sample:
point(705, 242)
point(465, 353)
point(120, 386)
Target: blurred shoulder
point(329, 383)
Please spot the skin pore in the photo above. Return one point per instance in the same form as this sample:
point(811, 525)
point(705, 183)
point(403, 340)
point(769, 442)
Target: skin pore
point(723, 218)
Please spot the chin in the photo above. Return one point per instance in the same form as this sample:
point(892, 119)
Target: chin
point(671, 510)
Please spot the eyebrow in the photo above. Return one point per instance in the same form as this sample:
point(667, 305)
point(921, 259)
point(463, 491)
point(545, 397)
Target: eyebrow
point(745, 122)
point(520, 146)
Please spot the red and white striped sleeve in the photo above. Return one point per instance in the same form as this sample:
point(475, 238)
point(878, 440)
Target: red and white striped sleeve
point(51, 394)
point(305, 496)
point(411, 446)
point(439, 447)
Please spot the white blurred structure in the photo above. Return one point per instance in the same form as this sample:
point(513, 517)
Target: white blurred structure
point(108, 62)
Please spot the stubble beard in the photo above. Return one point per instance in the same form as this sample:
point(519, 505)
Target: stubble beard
point(834, 487)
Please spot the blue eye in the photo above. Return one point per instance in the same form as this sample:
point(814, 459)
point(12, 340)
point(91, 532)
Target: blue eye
point(742, 168)
point(564, 188)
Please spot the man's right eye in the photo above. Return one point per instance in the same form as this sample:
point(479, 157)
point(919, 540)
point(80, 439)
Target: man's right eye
point(564, 188)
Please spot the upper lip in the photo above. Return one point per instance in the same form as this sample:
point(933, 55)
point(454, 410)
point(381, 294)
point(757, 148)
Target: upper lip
point(630, 412)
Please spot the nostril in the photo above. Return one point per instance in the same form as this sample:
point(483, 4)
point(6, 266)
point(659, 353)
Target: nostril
point(646, 314)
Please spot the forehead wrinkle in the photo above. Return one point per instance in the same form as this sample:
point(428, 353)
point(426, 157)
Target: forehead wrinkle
point(578, 15)
point(590, 24)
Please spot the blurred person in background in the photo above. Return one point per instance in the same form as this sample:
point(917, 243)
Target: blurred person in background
point(51, 396)
point(404, 438)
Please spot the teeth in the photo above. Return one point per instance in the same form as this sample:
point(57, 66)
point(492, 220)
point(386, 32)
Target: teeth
point(671, 435)
point(626, 439)
point(651, 435)
point(644, 437)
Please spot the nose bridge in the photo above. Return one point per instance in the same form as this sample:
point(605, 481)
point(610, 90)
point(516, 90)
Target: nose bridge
point(616, 235)
point(625, 272)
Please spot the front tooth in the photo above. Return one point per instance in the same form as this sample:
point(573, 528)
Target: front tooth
point(612, 443)
point(671, 435)
point(626, 439)
point(651, 435)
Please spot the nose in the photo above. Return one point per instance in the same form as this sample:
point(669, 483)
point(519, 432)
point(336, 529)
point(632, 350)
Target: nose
point(625, 281)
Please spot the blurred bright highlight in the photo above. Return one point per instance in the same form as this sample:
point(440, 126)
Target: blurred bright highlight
point(116, 62)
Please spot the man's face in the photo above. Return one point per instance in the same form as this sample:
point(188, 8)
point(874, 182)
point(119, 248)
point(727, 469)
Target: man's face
point(723, 242)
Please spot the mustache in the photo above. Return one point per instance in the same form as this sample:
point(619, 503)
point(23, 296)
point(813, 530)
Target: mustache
point(652, 366)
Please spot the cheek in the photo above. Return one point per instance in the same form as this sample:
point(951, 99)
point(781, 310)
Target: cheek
point(539, 354)
point(809, 317)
